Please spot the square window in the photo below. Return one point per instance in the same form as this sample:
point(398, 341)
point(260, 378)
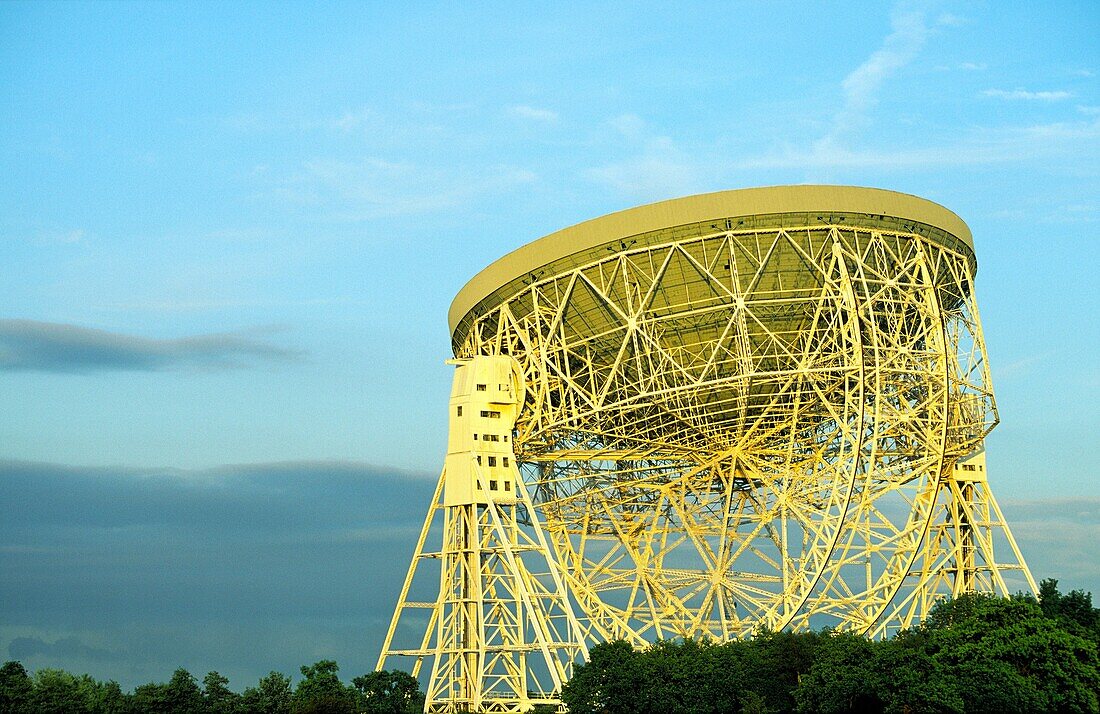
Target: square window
point(492, 485)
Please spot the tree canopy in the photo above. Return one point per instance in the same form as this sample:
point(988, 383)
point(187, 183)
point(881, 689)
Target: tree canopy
point(975, 653)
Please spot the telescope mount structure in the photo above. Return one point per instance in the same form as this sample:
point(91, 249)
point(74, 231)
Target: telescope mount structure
point(761, 408)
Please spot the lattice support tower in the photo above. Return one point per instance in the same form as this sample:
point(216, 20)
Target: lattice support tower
point(501, 636)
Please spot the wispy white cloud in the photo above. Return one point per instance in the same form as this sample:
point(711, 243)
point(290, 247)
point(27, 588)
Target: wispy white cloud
point(658, 168)
point(73, 236)
point(979, 146)
point(947, 19)
point(1020, 367)
point(1023, 94)
point(374, 187)
point(908, 35)
point(534, 113)
point(974, 66)
point(339, 121)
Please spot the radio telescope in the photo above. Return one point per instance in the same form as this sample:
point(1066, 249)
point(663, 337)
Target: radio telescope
point(762, 408)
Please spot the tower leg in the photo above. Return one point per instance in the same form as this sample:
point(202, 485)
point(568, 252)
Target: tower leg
point(501, 636)
point(964, 550)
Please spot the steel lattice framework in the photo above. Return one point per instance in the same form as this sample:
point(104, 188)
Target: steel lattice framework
point(758, 408)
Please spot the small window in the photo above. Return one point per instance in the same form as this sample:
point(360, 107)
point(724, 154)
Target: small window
point(496, 437)
point(492, 461)
point(481, 387)
point(479, 463)
point(460, 411)
point(492, 485)
point(505, 437)
point(507, 484)
point(475, 437)
point(505, 460)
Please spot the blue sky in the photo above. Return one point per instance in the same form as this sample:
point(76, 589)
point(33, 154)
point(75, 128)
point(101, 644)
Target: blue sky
point(229, 235)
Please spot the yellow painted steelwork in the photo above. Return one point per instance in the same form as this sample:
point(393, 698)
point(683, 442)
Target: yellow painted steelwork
point(755, 408)
point(501, 634)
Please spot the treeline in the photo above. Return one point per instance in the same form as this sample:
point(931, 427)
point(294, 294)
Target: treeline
point(973, 654)
point(320, 691)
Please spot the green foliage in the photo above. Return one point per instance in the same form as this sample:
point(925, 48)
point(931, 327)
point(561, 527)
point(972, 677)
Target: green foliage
point(271, 696)
point(1073, 610)
point(15, 689)
point(975, 653)
point(389, 692)
point(218, 698)
point(322, 692)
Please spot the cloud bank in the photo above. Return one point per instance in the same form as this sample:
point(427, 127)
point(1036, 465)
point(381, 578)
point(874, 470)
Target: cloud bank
point(28, 345)
point(131, 573)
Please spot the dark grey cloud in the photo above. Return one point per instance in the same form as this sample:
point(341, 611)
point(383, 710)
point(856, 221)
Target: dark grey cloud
point(129, 573)
point(243, 569)
point(27, 345)
point(66, 648)
point(1059, 539)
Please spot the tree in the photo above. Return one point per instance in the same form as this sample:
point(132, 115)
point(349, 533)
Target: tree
point(610, 682)
point(271, 696)
point(1074, 609)
point(842, 677)
point(322, 692)
point(217, 697)
point(183, 694)
point(56, 692)
point(1005, 655)
point(389, 692)
point(15, 689)
point(774, 663)
point(102, 697)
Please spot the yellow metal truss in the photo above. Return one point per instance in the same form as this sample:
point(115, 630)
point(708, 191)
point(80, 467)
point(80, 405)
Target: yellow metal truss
point(501, 634)
point(726, 427)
